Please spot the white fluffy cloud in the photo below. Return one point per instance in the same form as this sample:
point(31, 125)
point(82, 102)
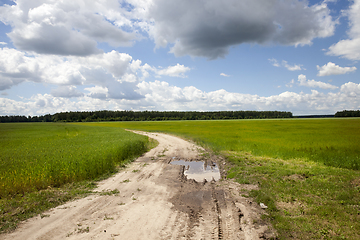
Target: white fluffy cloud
point(350, 48)
point(294, 67)
point(285, 64)
point(208, 28)
point(174, 71)
point(314, 84)
point(333, 69)
point(224, 75)
point(162, 96)
point(116, 71)
point(66, 27)
point(16, 67)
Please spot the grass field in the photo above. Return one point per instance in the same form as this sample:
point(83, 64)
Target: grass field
point(37, 155)
point(333, 142)
point(307, 170)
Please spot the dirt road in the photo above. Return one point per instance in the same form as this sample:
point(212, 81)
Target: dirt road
point(152, 199)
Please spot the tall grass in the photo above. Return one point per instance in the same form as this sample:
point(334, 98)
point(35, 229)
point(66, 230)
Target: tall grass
point(35, 156)
point(333, 142)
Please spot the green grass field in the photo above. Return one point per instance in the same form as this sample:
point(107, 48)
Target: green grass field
point(34, 156)
point(307, 169)
point(333, 142)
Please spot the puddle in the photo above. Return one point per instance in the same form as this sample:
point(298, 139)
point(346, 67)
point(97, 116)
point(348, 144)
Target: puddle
point(198, 172)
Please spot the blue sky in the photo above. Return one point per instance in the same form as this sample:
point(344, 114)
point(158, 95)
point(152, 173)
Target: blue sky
point(185, 55)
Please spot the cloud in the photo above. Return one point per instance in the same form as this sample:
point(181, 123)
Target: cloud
point(16, 68)
point(274, 62)
point(314, 84)
point(197, 28)
point(113, 70)
point(111, 75)
point(290, 84)
point(163, 96)
point(294, 67)
point(97, 92)
point(333, 69)
point(349, 48)
point(224, 75)
point(123, 90)
point(3, 43)
point(351, 90)
point(66, 92)
point(174, 71)
point(208, 28)
point(285, 64)
point(66, 27)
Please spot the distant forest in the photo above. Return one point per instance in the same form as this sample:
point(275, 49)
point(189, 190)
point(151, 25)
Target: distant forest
point(348, 113)
point(97, 116)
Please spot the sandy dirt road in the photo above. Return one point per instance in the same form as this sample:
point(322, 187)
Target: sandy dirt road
point(155, 201)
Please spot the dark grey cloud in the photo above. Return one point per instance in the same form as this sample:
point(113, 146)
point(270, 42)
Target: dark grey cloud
point(209, 27)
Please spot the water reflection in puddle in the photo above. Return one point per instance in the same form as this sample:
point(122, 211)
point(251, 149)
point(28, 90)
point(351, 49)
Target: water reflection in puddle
point(198, 172)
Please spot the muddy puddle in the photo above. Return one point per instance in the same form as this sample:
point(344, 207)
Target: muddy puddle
point(199, 171)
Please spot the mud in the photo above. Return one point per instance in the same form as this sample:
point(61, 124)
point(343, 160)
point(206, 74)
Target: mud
point(156, 200)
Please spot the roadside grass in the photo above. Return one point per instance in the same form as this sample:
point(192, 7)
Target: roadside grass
point(17, 208)
point(307, 170)
point(43, 165)
point(306, 200)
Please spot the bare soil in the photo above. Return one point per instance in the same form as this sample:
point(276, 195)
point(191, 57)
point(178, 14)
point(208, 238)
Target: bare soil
point(155, 200)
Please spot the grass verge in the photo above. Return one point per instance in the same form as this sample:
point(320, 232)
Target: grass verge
point(306, 200)
point(14, 209)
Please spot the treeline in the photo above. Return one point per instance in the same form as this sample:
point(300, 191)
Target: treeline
point(348, 113)
point(316, 116)
point(145, 116)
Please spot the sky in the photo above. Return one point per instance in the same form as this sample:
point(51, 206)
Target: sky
point(300, 56)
